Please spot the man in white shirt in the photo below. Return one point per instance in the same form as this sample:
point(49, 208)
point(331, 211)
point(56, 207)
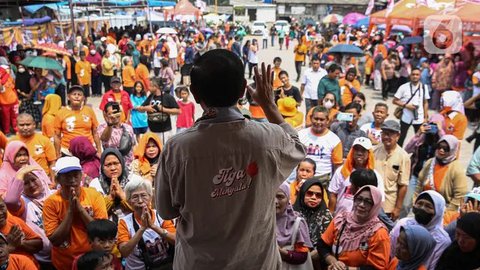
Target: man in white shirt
point(415, 109)
point(310, 80)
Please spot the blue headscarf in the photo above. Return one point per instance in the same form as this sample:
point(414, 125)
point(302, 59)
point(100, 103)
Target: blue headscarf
point(420, 245)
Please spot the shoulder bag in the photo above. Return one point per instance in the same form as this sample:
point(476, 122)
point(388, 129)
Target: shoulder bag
point(399, 109)
point(307, 265)
point(126, 142)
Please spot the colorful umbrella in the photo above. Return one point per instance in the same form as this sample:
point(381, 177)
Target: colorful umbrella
point(346, 49)
point(53, 48)
point(352, 18)
point(362, 22)
point(207, 30)
point(166, 31)
point(412, 40)
point(333, 18)
point(41, 62)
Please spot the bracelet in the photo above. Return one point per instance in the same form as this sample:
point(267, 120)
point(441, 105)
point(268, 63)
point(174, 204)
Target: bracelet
point(165, 233)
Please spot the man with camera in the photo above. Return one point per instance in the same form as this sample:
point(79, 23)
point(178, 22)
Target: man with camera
point(413, 98)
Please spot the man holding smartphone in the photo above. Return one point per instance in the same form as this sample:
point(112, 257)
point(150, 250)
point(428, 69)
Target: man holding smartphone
point(116, 94)
point(347, 128)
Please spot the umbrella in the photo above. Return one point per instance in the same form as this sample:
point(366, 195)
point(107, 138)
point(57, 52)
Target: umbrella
point(346, 49)
point(166, 30)
point(397, 28)
point(333, 18)
point(207, 30)
point(41, 62)
point(412, 40)
point(362, 22)
point(352, 18)
point(53, 48)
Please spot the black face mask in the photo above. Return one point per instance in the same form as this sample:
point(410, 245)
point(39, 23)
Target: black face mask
point(421, 216)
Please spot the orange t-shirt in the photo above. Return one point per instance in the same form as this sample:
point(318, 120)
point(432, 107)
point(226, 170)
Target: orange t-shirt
point(48, 125)
point(72, 124)
point(141, 73)
point(277, 83)
point(83, 69)
point(128, 76)
point(347, 96)
point(439, 173)
point(394, 262)
point(456, 126)
point(29, 234)
point(41, 149)
point(377, 255)
point(257, 111)
point(55, 209)
point(8, 96)
point(68, 65)
point(20, 262)
point(123, 235)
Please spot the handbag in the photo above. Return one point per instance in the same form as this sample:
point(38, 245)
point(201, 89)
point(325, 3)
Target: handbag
point(307, 265)
point(399, 109)
point(125, 145)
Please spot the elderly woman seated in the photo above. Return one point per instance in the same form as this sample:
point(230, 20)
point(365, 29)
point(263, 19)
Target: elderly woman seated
point(144, 238)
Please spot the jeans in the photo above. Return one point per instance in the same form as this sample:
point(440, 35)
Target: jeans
point(388, 86)
point(310, 103)
point(273, 40)
point(250, 67)
point(265, 44)
point(404, 130)
point(298, 68)
point(106, 82)
point(96, 85)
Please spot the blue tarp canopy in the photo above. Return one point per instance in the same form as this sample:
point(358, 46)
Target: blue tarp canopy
point(126, 3)
point(34, 8)
point(29, 22)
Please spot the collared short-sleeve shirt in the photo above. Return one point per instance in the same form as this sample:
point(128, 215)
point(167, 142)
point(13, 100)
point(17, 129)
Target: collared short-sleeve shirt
point(395, 171)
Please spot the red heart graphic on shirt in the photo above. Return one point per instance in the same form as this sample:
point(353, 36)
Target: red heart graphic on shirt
point(252, 169)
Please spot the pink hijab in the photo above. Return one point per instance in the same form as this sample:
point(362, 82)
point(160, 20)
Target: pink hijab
point(83, 149)
point(356, 233)
point(7, 172)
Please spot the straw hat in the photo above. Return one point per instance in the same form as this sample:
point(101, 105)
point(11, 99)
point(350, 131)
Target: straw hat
point(287, 106)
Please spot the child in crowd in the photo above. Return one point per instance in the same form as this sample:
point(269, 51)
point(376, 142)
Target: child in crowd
point(102, 234)
point(139, 119)
point(305, 170)
point(186, 118)
point(95, 260)
point(373, 129)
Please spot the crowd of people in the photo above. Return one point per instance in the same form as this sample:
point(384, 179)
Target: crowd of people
point(149, 186)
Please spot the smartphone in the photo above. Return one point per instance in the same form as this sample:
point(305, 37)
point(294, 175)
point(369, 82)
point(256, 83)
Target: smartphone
point(116, 107)
point(433, 128)
point(346, 117)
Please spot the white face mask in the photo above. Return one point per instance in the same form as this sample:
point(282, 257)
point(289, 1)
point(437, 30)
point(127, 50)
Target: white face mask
point(328, 104)
point(93, 52)
point(21, 70)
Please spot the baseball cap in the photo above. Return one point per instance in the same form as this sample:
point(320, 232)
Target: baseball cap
point(75, 88)
point(103, 38)
point(363, 142)
point(67, 164)
point(115, 80)
point(391, 125)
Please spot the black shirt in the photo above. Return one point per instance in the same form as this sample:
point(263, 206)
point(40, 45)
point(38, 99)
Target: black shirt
point(292, 92)
point(160, 121)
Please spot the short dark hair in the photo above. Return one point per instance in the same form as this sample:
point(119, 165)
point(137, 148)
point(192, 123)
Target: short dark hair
point(91, 259)
point(363, 177)
point(315, 58)
point(109, 104)
point(308, 160)
point(333, 67)
point(381, 104)
point(102, 229)
point(355, 106)
point(283, 72)
point(218, 78)
point(320, 109)
point(277, 59)
point(415, 68)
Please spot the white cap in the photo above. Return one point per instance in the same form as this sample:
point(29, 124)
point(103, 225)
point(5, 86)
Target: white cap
point(67, 164)
point(363, 142)
point(103, 38)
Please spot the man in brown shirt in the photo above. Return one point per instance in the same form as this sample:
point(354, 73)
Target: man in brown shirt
point(388, 75)
point(393, 164)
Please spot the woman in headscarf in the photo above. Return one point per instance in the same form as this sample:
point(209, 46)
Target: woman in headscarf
point(16, 156)
point(444, 174)
point(312, 207)
point(357, 238)
point(25, 198)
point(451, 119)
point(53, 103)
point(83, 149)
point(359, 157)
point(428, 212)
point(147, 154)
point(414, 245)
point(464, 253)
point(292, 230)
point(25, 94)
point(111, 183)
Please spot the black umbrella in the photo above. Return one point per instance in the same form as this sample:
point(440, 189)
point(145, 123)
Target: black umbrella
point(412, 40)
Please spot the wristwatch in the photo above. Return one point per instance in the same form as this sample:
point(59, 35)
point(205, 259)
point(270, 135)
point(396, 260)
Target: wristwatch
point(165, 233)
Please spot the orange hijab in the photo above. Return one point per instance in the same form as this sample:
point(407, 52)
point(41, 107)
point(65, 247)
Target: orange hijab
point(349, 163)
point(139, 151)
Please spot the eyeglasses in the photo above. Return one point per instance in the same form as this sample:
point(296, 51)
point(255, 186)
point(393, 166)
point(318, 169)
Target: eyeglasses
point(136, 197)
point(313, 193)
point(365, 201)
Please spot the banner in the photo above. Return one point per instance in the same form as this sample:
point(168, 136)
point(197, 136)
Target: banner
point(7, 36)
point(370, 6)
point(32, 34)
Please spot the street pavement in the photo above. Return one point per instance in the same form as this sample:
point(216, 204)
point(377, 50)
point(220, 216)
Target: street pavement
point(287, 56)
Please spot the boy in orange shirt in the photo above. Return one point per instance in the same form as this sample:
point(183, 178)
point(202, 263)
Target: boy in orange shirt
point(8, 102)
point(68, 211)
point(128, 75)
point(83, 69)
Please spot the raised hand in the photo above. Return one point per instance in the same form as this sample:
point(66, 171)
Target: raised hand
point(263, 94)
point(27, 169)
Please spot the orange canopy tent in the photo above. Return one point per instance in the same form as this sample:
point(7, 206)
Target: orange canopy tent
point(469, 13)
